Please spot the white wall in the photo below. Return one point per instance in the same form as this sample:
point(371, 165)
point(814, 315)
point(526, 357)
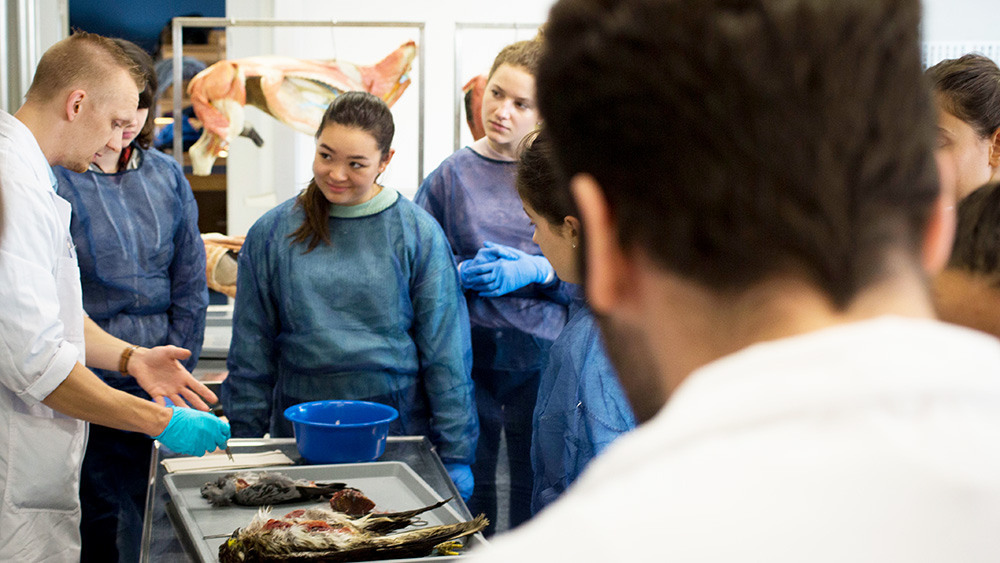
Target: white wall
point(952, 28)
point(259, 178)
point(27, 29)
point(961, 20)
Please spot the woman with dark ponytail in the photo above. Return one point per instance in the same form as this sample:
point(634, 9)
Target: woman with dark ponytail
point(349, 291)
point(581, 407)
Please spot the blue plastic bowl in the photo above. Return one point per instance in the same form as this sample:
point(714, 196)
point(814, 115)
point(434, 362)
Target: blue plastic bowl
point(341, 431)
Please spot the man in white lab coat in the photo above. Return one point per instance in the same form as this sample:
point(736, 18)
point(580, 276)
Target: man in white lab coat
point(83, 94)
point(761, 208)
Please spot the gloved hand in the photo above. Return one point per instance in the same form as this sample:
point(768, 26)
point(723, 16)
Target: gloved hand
point(484, 256)
point(461, 475)
point(194, 432)
point(506, 269)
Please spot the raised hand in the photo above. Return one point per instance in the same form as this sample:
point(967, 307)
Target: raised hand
point(159, 371)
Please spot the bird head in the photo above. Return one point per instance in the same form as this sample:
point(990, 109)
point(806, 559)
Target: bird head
point(233, 550)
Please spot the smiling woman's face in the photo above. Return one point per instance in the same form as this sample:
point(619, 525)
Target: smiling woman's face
point(347, 162)
point(968, 152)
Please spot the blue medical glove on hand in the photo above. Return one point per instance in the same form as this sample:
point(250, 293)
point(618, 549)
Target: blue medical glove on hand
point(461, 475)
point(484, 256)
point(463, 271)
point(194, 432)
point(510, 269)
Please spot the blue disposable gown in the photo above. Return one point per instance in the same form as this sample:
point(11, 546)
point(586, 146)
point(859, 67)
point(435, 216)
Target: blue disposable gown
point(376, 315)
point(142, 260)
point(474, 200)
point(581, 408)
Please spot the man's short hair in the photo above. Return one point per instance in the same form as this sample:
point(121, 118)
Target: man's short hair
point(82, 60)
point(740, 140)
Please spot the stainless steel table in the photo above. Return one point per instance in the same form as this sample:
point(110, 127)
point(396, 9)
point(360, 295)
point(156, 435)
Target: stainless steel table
point(161, 544)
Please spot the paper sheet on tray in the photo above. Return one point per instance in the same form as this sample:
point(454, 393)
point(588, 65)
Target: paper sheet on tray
point(213, 462)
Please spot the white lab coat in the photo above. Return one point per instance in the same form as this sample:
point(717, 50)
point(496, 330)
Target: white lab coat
point(877, 441)
point(41, 339)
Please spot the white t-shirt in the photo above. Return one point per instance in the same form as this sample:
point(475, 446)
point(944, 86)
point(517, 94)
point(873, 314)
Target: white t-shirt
point(875, 441)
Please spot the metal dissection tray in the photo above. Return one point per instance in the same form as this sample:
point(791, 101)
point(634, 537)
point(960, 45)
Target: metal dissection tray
point(392, 485)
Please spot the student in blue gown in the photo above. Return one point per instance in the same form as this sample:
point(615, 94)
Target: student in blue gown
point(349, 291)
point(581, 407)
point(142, 267)
point(516, 303)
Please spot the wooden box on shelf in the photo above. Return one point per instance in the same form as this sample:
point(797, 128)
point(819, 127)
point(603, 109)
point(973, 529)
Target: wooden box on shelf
point(213, 51)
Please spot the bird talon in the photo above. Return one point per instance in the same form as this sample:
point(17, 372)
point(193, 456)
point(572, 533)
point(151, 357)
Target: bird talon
point(448, 548)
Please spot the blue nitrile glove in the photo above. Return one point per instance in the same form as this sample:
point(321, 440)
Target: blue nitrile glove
point(509, 270)
point(194, 432)
point(484, 256)
point(461, 475)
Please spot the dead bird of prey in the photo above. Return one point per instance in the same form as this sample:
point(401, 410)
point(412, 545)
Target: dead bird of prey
point(252, 488)
point(319, 534)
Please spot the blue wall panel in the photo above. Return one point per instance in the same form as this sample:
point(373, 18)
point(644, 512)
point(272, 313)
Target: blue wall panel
point(139, 21)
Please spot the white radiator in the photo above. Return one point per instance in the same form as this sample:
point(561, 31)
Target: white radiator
point(937, 51)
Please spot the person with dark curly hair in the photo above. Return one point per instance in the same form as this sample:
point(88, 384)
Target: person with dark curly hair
point(761, 213)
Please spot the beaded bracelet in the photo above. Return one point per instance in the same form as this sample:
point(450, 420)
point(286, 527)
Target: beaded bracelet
point(123, 362)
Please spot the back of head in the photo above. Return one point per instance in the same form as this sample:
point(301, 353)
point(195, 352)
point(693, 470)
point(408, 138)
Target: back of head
point(361, 110)
point(537, 182)
point(522, 54)
point(147, 97)
point(969, 88)
point(967, 292)
point(977, 233)
point(81, 61)
point(738, 141)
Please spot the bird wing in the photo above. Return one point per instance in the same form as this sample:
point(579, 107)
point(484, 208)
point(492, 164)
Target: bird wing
point(383, 523)
point(317, 490)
